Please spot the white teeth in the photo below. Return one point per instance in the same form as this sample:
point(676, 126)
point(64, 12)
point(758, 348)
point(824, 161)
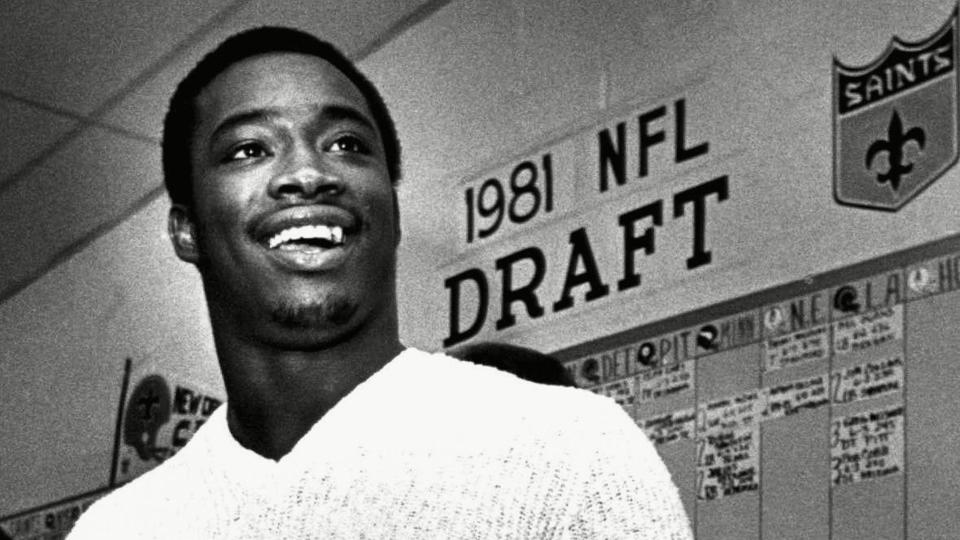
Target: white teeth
point(330, 233)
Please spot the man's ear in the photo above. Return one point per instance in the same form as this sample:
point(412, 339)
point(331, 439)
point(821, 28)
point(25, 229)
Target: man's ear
point(396, 219)
point(182, 231)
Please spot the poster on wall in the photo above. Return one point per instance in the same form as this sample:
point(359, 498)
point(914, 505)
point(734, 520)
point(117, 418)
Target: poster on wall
point(160, 412)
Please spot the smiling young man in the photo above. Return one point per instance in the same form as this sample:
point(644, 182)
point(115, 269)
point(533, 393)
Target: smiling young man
point(281, 161)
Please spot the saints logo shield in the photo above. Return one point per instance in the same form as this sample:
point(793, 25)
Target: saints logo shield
point(895, 121)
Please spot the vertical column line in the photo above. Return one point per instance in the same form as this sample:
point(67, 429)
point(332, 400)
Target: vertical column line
point(696, 443)
point(831, 330)
point(906, 411)
point(760, 366)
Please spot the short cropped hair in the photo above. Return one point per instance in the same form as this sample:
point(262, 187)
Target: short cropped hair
point(180, 121)
point(524, 362)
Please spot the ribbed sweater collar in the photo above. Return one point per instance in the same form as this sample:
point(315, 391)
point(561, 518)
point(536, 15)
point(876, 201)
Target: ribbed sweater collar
point(245, 467)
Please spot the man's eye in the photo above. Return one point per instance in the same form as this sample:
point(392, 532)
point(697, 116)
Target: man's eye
point(245, 151)
point(349, 144)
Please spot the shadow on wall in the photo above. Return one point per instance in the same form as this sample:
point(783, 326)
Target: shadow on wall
point(523, 362)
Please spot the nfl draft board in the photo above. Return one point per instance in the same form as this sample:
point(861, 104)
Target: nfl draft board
point(792, 404)
point(824, 408)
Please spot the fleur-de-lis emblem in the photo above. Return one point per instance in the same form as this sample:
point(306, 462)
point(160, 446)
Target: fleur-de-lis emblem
point(893, 145)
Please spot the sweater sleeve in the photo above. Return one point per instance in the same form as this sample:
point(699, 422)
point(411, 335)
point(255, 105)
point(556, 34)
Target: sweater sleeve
point(625, 489)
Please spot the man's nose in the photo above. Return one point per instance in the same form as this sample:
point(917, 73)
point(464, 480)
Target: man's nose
point(306, 178)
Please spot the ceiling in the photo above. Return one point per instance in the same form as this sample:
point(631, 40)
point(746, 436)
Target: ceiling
point(83, 91)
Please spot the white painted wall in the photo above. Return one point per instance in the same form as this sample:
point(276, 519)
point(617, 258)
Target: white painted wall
point(482, 85)
point(65, 339)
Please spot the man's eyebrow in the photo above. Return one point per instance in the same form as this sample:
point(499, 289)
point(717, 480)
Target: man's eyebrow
point(337, 113)
point(252, 116)
point(329, 113)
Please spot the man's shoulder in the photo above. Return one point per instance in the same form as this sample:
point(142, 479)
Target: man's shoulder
point(495, 393)
point(140, 504)
point(132, 505)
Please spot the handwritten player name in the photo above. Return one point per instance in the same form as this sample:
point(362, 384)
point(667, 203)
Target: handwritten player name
point(670, 427)
point(730, 413)
point(728, 463)
point(797, 347)
point(621, 391)
point(659, 383)
point(868, 380)
point(796, 396)
point(866, 446)
point(869, 330)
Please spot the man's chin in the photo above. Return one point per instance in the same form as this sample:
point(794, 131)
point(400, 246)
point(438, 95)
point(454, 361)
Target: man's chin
point(327, 315)
point(312, 326)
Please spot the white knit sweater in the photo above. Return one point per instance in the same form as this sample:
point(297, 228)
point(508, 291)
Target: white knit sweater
point(428, 447)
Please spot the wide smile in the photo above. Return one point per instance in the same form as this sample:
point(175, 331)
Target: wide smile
point(308, 239)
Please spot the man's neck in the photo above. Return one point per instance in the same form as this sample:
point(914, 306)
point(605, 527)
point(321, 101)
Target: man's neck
point(275, 396)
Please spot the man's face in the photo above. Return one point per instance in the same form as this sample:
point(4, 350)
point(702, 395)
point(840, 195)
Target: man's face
point(294, 212)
